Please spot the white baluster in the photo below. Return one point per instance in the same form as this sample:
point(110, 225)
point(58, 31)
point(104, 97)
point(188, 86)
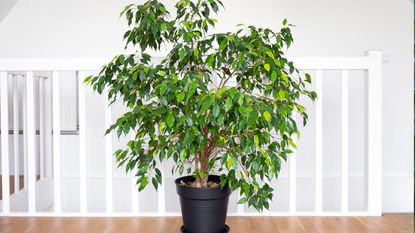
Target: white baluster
point(56, 142)
point(24, 114)
point(161, 191)
point(16, 144)
point(134, 189)
point(293, 177)
point(5, 175)
point(345, 142)
point(48, 128)
point(374, 157)
point(108, 159)
point(41, 128)
point(82, 143)
point(319, 142)
point(31, 134)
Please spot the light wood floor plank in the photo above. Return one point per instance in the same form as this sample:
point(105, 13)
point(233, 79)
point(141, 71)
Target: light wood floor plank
point(389, 223)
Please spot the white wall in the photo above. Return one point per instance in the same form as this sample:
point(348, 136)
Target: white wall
point(5, 7)
point(79, 28)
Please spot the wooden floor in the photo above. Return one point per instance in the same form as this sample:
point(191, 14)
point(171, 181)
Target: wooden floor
point(389, 223)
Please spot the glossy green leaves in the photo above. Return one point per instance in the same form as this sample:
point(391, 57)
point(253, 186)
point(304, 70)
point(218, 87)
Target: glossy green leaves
point(217, 103)
point(267, 116)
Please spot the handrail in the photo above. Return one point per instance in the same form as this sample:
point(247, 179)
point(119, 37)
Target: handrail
point(69, 64)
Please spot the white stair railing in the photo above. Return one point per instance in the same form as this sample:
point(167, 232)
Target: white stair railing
point(371, 63)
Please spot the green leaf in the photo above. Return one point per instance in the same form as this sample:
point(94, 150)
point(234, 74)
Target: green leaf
point(308, 78)
point(253, 117)
point(163, 27)
point(162, 73)
point(242, 200)
point(293, 144)
point(158, 175)
point(232, 92)
point(163, 88)
point(300, 108)
point(202, 174)
point(273, 76)
point(216, 110)
point(182, 53)
point(228, 104)
point(223, 45)
point(180, 96)
point(229, 163)
point(155, 183)
point(267, 67)
point(221, 141)
point(223, 159)
point(256, 140)
point(143, 183)
point(162, 126)
point(241, 99)
point(284, 77)
point(183, 155)
point(170, 120)
point(281, 94)
point(206, 105)
point(220, 92)
point(221, 119)
point(196, 52)
point(267, 116)
point(270, 54)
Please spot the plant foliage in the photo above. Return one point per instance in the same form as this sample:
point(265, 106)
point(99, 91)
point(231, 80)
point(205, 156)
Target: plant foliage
point(217, 103)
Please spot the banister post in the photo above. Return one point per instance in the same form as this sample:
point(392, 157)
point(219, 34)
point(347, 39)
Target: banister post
point(374, 135)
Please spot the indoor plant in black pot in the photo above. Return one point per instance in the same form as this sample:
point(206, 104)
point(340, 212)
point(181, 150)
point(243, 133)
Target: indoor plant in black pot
point(184, 108)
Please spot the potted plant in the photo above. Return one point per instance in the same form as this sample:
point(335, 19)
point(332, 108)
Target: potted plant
point(185, 108)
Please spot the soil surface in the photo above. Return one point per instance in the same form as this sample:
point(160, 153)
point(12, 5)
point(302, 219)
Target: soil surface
point(210, 184)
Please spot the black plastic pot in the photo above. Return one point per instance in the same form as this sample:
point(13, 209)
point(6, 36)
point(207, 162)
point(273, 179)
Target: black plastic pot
point(203, 209)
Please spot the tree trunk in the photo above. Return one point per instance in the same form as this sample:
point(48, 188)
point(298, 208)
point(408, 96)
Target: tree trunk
point(202, 181)
point(204, 163)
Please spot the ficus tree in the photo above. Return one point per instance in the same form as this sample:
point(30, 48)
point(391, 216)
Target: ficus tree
point(216, 103)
